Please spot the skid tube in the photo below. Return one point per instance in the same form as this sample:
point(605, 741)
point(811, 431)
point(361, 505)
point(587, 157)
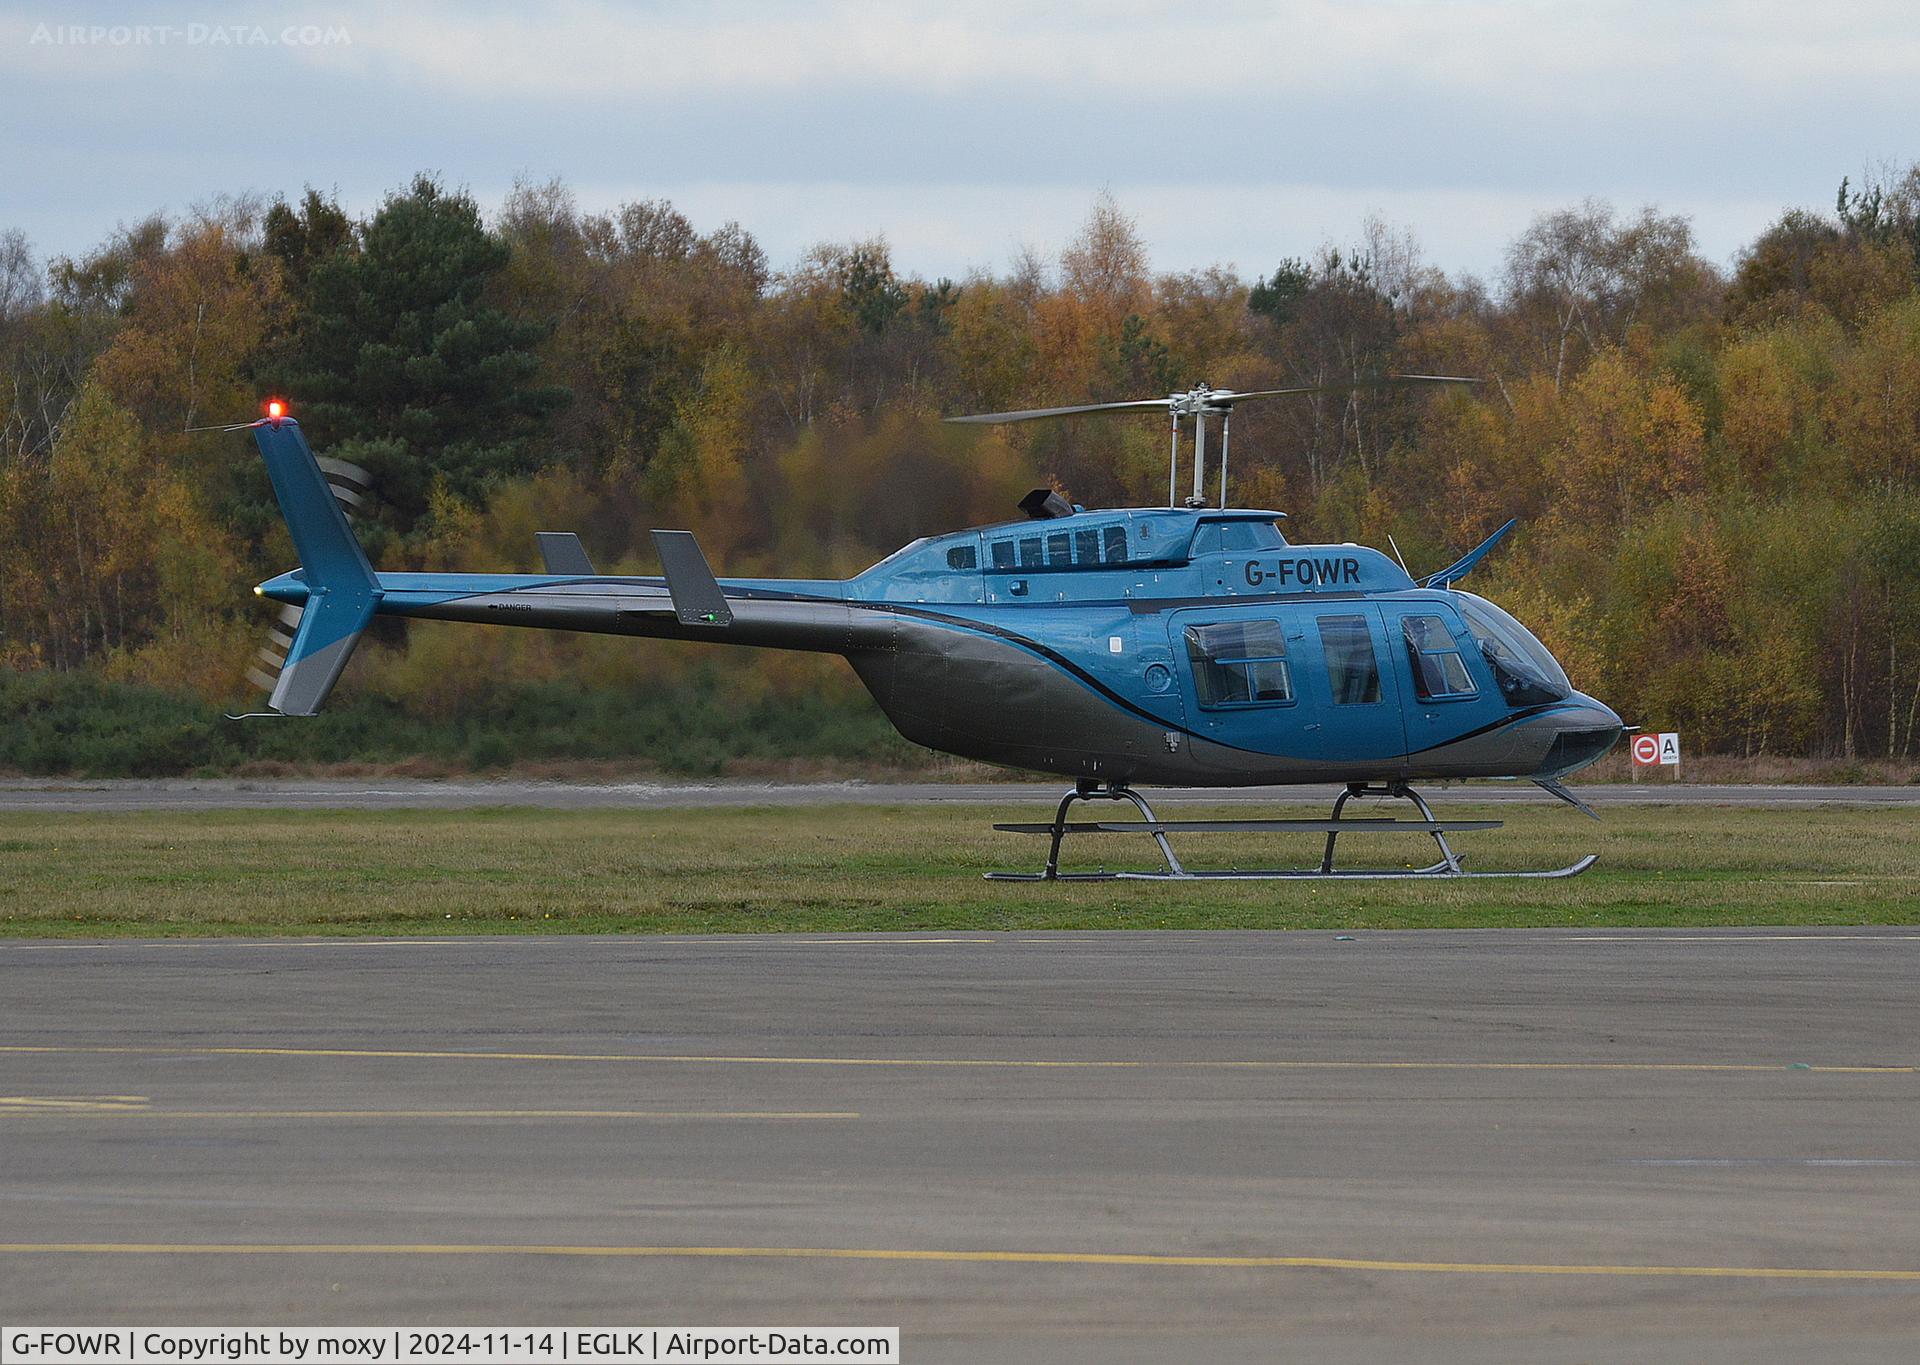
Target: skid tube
point(1448, 867)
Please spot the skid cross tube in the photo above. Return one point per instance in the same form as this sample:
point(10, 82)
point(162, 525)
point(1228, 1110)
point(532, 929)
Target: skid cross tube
point(1096, 791)
point(1448, 866)
point(1448, 859)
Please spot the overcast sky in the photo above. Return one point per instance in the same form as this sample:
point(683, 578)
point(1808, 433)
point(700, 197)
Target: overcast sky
point(1236, 133)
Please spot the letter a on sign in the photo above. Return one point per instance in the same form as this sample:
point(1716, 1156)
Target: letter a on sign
point(1670, 748)
point(1646, 750)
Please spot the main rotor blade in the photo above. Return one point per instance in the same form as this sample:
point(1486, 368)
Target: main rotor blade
point(1029, 414)
point(1226, 398)
point(1214, 400)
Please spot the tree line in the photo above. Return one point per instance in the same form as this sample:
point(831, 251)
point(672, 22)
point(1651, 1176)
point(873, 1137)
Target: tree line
point(1715, 470)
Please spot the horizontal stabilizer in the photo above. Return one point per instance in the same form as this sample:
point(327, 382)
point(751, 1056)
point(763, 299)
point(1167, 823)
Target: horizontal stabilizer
point(697, 599)
point(562, 553)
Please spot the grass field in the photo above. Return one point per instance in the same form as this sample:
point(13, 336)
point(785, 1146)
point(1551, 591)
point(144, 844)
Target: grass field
point(864, 868)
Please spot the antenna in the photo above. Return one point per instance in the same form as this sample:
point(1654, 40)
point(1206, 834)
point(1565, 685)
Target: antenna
point(1201, 402)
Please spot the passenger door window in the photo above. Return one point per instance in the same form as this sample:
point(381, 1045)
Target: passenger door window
point(1353, 670)
point(1239, 663)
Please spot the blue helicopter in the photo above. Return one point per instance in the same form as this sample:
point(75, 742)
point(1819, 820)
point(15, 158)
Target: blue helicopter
point(1188, 645)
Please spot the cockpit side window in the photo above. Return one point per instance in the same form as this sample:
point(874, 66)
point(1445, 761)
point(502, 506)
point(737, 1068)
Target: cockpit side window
point(1439, 673)
point(961, 557)
point(1116, 542)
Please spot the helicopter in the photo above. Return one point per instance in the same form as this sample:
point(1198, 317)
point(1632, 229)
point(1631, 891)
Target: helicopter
point(1189, 645)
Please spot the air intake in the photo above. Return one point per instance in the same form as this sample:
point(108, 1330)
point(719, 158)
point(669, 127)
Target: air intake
point(1043, 504)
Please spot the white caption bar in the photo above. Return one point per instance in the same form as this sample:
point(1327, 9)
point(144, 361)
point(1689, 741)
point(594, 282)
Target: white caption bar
point(443, 1346)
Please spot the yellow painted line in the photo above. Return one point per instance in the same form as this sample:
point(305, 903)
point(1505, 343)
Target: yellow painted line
point(42, 1104)
point(350, 1114)
point(1050, 1064)
point(1074, 1258)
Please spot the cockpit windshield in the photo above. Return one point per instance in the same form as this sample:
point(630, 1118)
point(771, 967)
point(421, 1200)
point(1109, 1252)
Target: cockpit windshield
point(1527, 674)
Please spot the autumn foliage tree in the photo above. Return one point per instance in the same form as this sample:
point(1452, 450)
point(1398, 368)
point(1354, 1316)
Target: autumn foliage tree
point(1716, 472)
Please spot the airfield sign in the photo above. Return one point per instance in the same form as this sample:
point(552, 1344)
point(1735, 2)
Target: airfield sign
point(1661, 750)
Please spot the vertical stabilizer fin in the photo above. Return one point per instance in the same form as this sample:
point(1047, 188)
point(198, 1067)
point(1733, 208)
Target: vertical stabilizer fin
point(697, 599)
point(342, 589)
point(562, 553)
point(329, 629)
point(329, 554)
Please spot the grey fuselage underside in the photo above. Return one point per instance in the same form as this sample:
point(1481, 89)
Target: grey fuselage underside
point(976, 687)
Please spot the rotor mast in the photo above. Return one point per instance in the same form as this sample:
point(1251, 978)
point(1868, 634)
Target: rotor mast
point(1197, 401)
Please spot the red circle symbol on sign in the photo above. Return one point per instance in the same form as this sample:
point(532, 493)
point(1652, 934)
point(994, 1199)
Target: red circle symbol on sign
point(1646, 748)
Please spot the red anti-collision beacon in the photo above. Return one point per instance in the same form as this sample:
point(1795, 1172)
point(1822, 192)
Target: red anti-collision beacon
point(276, 409)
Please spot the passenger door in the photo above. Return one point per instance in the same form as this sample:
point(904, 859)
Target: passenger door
point(1351, 684)
point(1236, 677)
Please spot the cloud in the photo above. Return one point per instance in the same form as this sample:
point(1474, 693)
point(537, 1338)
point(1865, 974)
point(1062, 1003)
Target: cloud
point(1235, 131)
point(1535, 55)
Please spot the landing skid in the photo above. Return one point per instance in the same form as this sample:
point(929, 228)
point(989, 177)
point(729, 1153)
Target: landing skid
point(1449, 866)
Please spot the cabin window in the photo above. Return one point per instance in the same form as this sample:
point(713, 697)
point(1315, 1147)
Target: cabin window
point(1239, 663)
point(1003, 554)
point(1086, 545)
point(1236, 537)
point(1116, 538)
point(1059, 548)
point(1251, 535)
point(1438, 670)
point(1030, 556)
point(1353, 671)
point(961, 557)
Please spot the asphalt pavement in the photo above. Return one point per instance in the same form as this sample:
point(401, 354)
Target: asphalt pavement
point(1607, 1145)
point(55, 794)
